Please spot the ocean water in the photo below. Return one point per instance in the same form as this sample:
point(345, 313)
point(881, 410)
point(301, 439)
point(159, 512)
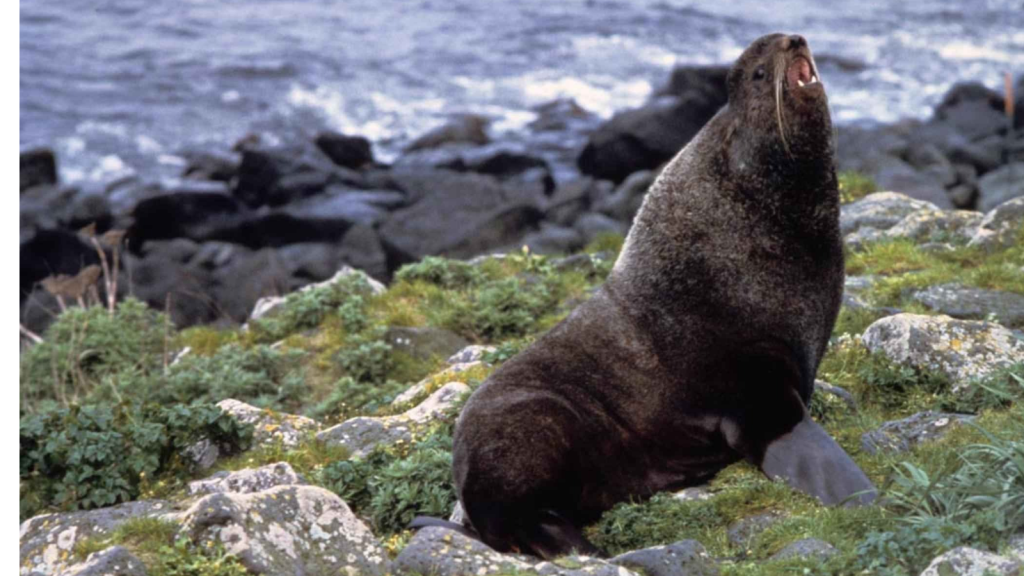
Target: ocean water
point(123, 86)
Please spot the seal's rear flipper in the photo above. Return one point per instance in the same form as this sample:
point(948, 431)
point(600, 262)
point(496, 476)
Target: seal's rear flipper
point(808, 459)
point(424, 521)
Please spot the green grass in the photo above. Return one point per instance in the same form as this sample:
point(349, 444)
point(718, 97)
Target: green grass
point(854, 186)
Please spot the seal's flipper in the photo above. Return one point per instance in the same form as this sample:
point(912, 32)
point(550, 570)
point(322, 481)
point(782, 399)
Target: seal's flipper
point(808, 459)
point(555, 536)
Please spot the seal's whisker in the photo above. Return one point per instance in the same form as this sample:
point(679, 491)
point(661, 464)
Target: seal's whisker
point(780, 73)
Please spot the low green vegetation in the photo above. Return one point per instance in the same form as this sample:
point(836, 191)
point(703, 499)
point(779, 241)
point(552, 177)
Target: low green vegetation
point(854, 186)
point(110, 405)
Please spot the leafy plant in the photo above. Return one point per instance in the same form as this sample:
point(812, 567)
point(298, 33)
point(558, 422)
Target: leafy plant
point(309, 307)
point(367, 360)
point(351, 397)
point(418, 485)
point(92, 456)
point(508, 307)
point(441, 272)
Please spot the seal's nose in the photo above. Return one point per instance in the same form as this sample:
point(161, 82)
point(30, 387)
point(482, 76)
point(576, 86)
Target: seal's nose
point(794, 42)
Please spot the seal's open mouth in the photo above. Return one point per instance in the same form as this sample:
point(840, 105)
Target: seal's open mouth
point(799, 73)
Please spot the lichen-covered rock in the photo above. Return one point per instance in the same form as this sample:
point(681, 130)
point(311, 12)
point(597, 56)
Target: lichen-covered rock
point(265, 306)
point(881, 211)
point(966, 561)
point(442, 552)
point(248, 480)
point(963, 350)
point(47, 541)
point(683, 558)
point(269, 426)
point(362, 434)
point(743, 531)
point(999, 185)
point(957, 226)
point(702, 492)
point(425, 386)
point(1000, 226)
point(114, 561)
point(863, 236)
point(822, 387)
point(424, 342)
point(902, 435)
point(808, 548)
point(974, 303)
point(287, 530)
point(473, 353)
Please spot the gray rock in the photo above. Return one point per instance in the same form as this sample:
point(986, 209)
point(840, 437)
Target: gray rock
point(863, 236)
point(592, 225)
point(473, 353)
point(1015, 547)
point(822, 387)
point(966, 561)
point(553, 239)
point(270, 427)
point(957, 226)
point(694, 493)
point(287, 530)
point(441, 552)
point(683, 558)
point(808, 548)
point(901, 435)
point(47, 542)
point(367, 208)
point(571, 199)
point(1000, 226)
point(424, 342)
point(974, 303)
point(114, 561)
point(248, 480)
point(423, 387)
point(1000, 185)
point(963, 350)
point(625, 201)
point(742, 532)
point(471, 128)
point(362, 434)
point(881, 210)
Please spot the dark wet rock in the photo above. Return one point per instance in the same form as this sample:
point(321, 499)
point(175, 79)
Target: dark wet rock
point(68, 207)
point(683, 558)
point(743, 532)
point(201, 165)
point(864, 149)
point(168, 284)
point(624, 202)
point(280, 229)
point(895, 174)
point(195, 216)
point(424, 342)
point(341, 205)
point(442, 552)
point(505, 161)
point(113, 561)
point(593, 224)
point(901, 435)
point(1001, 185)
point(248, 480)
point(966, 561)
point(468, 128)
point(458, 215)
point(47, 542)
point(807, 549)
point(958, 148)
point(843, 63)
point(973, 110)
point(38, 167)
point(963, 350)
point(287, 530)
point(347, 151)
point(51, 252)
point(929, 159)
point(559, 115)
point(961, 301)
point(1000, 227)
point(573, 198)
point(279, 176)
point(706, 81)
point(362, 434)
point(553, 239)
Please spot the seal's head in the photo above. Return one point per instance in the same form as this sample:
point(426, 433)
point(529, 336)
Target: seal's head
point(778, 99)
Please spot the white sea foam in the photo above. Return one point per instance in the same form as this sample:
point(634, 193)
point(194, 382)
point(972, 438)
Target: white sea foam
point(147, 145)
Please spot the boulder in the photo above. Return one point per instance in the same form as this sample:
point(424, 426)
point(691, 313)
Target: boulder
point(38, 167)
point(362, 434)
point(806, 549)
point(287, 530)
point(1000, 227)
point(265, 306)
point(966, 561)
point(881, 211)
point(48, 541)
point(424, 386)
point(822, 387)
point(442, 552)
point(956, 147)
point(963, 350)
point(113, 561)
point(683, 558)
point(901, 435)
point(352, 152)
point(166, 283)
point(247, 481)
point(624, 202)
point(926, 225)
point(971, 303)
point(573, 198)
point(505, 161)
point(1001, 185)
point(347, 206)
point(425, 342)
point(593, 224)
point(196, 216)
point(52, 252)
point(894, 174)
point(472, 353)
point(973, 110)
point(204, 165)
point(742, 532)
point(277, 176)
point(559, 116)
point(270, 427)
point(468, 128)
point(552, 239)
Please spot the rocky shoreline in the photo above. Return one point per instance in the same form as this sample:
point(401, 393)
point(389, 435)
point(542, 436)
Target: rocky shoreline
point(263, 220)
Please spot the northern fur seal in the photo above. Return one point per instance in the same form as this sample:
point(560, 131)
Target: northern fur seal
point(702, 346)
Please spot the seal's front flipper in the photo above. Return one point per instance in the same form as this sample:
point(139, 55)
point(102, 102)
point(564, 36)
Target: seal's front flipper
point(556, 536)
point(808, 459)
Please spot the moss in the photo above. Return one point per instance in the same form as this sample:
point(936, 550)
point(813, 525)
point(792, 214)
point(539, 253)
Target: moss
point(854, 186)
point(205, 340)
point(307, 458)
point(606, 242)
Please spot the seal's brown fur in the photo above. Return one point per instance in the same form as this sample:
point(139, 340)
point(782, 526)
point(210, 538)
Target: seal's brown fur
point(700, 349)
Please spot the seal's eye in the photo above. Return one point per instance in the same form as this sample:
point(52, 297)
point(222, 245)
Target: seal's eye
point(759, 73)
